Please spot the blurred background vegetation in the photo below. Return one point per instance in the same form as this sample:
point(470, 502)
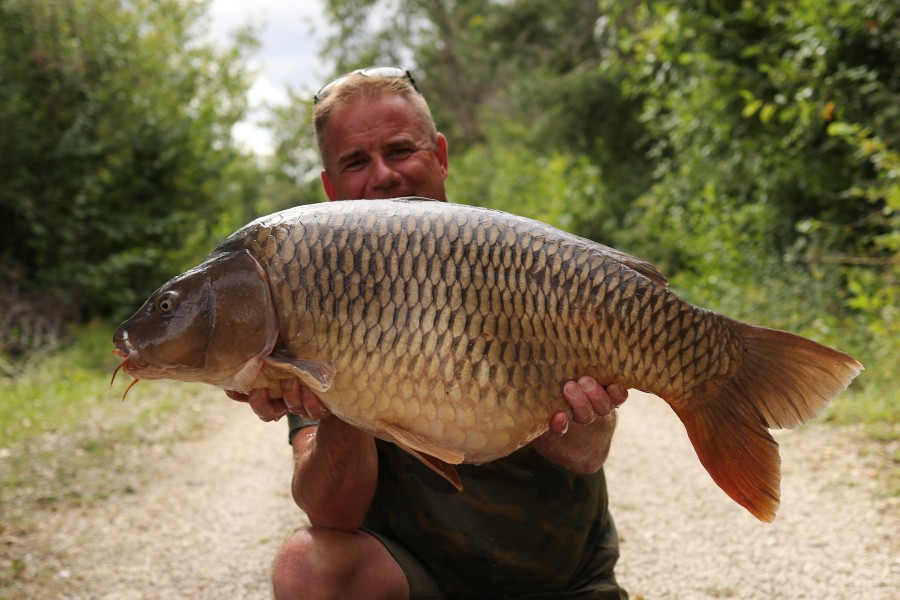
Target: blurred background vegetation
point(749, 149)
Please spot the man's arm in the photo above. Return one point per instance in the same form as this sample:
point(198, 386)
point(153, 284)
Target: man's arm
point(335, 473)
point(335, 464)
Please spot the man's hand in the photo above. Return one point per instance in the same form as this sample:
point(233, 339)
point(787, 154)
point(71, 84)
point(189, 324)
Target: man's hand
point(584, 446)
point(295, 398)
point(588, 400)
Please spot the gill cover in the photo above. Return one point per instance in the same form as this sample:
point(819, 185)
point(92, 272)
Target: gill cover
point(205, 325)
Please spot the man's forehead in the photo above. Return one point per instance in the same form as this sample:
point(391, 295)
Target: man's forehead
point(368, 127)
point(386, 112)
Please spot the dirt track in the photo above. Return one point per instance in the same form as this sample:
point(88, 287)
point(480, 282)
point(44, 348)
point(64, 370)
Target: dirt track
point(205, 517)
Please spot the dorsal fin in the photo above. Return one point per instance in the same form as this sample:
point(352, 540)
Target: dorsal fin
point(638, 264)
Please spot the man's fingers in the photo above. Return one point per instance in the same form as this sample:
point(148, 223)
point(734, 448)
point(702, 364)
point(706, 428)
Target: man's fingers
point(314, 405)
point(301, 400)
point(559, 423)
point(236, 396)
point(582, 409)
point(589, 400)
point(600, 401)
point(618, 393)
point(267, 409)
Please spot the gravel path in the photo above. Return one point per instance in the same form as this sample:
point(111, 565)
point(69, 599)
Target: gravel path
point(203, 521)
point(835, 535)
point(209, 514)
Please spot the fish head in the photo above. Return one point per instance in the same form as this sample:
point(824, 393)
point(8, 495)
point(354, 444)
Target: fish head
point(213, 324)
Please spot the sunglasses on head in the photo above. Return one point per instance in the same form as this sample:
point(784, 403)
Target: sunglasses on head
point(386, 72)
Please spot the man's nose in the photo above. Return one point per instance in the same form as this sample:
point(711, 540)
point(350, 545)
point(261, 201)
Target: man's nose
point(383, 174)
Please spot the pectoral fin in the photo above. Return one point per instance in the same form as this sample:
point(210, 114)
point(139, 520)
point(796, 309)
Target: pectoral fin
point(316, 374)
point(437, 458)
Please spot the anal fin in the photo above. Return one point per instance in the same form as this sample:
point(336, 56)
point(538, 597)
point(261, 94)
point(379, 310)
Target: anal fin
point(437, 458)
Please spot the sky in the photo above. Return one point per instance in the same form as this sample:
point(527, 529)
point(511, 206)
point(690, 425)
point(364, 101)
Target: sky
point(291, 33)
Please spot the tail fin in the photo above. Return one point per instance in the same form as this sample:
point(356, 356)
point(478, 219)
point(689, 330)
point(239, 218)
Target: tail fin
point(783, 380)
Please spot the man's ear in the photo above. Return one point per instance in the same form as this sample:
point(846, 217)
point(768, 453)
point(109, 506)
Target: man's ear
point(442, 155)
point(328, 185)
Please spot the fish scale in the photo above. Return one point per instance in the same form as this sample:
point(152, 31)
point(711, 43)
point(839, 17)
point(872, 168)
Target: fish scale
point(451, 329)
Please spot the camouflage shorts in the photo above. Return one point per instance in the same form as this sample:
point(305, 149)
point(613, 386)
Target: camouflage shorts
point(424, 586)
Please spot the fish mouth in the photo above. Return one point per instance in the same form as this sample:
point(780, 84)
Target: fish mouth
point(126, 350)
point(126, 365)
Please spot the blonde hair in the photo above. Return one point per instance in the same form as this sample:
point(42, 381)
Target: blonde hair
point(358, 87)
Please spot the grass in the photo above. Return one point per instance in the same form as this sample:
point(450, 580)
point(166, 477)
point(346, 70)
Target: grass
point(60, 388)
point(878, 412)
point(872, 406)
point(61, 419)
point(874, 398)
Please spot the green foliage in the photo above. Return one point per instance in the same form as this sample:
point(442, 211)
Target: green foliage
point(116, 147)
point(558, 189)
point(744, 99)
point(293, 172)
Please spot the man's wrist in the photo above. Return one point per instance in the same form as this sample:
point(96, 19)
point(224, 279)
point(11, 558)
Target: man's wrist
point(296, 423)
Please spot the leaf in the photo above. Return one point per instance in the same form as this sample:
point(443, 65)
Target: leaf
point(893, 196)
point(752, 108)
point(842, 129)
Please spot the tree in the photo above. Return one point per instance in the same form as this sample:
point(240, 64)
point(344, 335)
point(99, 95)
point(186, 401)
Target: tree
point(510, 79)
point(116, 153)
point(775, 128)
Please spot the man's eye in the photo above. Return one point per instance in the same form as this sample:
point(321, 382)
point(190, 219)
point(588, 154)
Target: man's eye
point(401, 153)
point(354, 165)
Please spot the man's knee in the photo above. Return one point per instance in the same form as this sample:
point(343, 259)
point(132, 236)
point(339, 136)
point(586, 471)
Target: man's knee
point(299, 570)
point(318, 563)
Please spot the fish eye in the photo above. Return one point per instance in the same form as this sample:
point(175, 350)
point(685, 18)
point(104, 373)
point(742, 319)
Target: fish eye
point(167, 302)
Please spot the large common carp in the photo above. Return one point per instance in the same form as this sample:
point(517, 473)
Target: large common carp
point(449, 330)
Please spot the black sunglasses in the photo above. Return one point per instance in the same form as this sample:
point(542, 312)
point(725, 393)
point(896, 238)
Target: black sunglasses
point(386, 72)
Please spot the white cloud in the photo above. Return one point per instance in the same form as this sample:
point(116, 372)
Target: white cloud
point(265, 91)
point(291, 33)
point(252, 137)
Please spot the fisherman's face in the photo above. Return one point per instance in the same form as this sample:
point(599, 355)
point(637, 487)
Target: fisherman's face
point(377, 149)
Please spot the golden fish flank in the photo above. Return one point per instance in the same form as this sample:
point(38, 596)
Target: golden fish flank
point(450, 329)
point(417, 276)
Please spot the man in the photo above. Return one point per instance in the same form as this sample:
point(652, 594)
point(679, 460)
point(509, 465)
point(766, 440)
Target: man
point(532, 525)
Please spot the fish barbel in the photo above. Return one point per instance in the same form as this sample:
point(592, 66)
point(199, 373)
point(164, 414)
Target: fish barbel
point(450, 329)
